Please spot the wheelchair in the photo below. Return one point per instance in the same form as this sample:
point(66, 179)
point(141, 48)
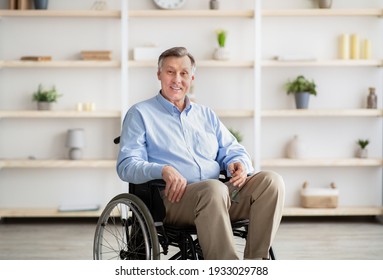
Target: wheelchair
point(131, 227)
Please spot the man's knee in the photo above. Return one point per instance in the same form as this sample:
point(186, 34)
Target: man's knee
point(215, 192)
point(272, 181)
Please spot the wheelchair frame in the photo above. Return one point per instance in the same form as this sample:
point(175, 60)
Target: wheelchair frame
point(131, 228)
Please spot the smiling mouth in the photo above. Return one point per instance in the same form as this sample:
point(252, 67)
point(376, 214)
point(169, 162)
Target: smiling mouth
point(175, 88)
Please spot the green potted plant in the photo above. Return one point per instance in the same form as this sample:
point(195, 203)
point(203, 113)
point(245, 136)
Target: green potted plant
point(302, 88)
point(45, 98)
point(236, 134)
point(221, 53)
point(362, 151)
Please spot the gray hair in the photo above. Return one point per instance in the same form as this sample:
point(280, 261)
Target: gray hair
point(176, 52)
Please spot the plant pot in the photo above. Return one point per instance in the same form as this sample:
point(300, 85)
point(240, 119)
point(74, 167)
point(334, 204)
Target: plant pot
point(44, 106)
point(221, 53)
point(325, 4)
point(40, 4)
point(362, 153)
point(302, 100)
point(214, 4)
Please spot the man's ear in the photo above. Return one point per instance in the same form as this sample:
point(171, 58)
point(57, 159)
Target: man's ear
point(158, 74)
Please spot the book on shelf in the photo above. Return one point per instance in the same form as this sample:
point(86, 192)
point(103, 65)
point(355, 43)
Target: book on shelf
point(19, 4)
point(36, 58)
point(78, 207)
point(96, 55)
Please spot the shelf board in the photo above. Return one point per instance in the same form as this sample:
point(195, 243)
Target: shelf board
point(335, 162)
point(302, 113)
point(324, 63)
point(60, 64)
point(287, 212)
point(322, 12)
point(51, 163)
point(45, 213)
point(339, 211)
point(201, 63)
point(234, 113)
point(323, 113)
point(271, 63)
point(192, 13)
point(61, 13)
point(59, 114)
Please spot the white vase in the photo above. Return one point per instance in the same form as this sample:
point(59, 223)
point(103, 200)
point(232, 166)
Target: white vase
point(295, 148)
point(362, 153)
point(221, 53)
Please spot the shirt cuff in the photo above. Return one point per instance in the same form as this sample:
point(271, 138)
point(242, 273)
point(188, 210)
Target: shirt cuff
point(156, 171)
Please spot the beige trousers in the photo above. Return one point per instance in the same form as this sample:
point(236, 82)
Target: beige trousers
point(208, 206)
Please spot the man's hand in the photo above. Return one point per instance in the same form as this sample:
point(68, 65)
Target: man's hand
point(175, 183)
point(238, 174)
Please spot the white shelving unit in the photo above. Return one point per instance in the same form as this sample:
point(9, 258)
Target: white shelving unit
point(108, 120)
point(324, 116)
point(251, 113)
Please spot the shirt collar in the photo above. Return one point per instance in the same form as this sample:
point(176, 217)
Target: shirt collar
point(171, 108)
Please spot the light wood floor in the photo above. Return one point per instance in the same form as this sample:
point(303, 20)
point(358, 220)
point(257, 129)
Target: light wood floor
point(297, 239)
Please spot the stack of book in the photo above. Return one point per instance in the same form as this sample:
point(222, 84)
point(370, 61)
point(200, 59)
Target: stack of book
point(36, 58)
point(96, 55)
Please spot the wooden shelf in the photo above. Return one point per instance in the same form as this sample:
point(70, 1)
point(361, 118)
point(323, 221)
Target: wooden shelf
point(324, 63)
point(62, 163)
point(340, 211)
point(323, 113)
point(192, 13)
point(45, 213)
point(323, 12)
point(201, 63)
point(287, 212)
point(335, 162)
point(234, 113)
point(61, 13)
point(60, 64)
point(272, 63)
point(301, 113)
point(59, 114)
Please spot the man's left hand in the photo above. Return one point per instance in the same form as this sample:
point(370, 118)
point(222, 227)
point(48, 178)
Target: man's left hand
point(238, 174)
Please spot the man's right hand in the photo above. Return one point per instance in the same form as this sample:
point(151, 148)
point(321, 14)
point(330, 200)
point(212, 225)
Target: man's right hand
point(175, 183)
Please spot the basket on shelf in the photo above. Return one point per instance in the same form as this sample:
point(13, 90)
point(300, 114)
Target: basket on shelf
point(319, 197)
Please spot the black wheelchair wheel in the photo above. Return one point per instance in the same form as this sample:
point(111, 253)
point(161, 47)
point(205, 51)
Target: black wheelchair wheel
point(126, 231)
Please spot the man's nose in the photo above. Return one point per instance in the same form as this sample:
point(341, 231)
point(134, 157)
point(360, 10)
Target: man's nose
point(177, 77)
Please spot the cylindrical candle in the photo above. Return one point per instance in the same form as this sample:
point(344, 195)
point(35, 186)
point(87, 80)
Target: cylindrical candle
point(355, 46)
point(344, 46)
point(79, 107)
point(366, 49)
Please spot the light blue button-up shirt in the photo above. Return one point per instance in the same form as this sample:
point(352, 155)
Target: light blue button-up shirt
point(155, 134)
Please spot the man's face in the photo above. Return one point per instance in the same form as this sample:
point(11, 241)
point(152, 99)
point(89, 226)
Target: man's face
point(176, 77)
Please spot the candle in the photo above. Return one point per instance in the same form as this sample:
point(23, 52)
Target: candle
point(366, 49)
point(344, 46)
point(79, 107)
point(354, 46)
